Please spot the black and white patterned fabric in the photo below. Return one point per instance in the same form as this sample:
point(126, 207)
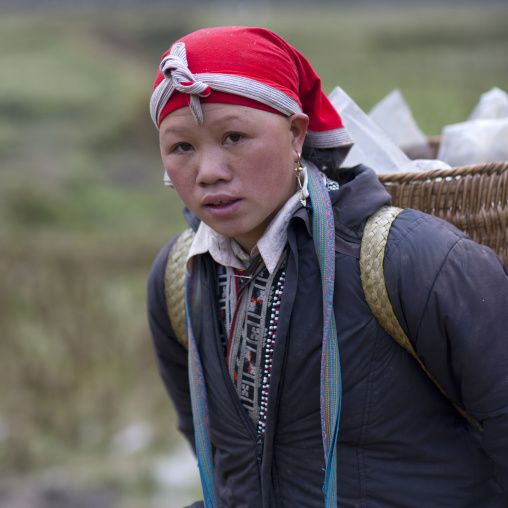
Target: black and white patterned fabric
point(249, 310)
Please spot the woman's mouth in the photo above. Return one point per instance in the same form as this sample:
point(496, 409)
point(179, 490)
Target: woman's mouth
point(222, 207)
point(222, 203)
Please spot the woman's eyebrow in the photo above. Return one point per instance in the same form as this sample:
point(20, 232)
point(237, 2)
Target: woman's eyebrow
point(227, 118)
point(173, 130)
point(232, 116)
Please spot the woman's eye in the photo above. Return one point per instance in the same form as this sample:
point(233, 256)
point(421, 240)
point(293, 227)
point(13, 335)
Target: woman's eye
point(233, 137)
point(182, 147)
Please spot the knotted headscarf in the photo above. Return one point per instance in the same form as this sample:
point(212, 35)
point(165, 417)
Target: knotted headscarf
point(250, 67)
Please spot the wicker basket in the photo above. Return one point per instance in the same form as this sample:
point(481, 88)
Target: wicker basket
point(474, 198)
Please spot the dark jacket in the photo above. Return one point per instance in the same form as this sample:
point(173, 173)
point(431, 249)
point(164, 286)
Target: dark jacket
point(401, 443)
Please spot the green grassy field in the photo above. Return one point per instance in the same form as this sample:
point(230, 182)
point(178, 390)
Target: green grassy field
point(83, 211)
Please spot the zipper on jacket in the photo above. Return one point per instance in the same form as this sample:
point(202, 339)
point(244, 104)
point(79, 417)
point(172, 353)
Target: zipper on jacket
point(259, 449)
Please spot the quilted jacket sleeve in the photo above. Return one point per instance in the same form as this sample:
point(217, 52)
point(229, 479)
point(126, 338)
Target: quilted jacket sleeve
point(170, 354)
point(451, 297)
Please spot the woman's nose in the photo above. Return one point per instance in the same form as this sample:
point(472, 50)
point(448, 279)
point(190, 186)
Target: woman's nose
point(212, 168)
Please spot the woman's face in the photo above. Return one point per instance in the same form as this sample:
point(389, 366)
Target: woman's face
point(236, 170)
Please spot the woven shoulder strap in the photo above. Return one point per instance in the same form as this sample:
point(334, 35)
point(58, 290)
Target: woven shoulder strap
point(174, 284)
point(375, 236)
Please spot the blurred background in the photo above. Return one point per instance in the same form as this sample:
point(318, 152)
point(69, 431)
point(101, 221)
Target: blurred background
point(84, 419)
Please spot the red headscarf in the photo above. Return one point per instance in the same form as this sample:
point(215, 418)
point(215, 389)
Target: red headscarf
point(250, 67)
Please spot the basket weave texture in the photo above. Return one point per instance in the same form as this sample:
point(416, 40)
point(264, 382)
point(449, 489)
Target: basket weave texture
point(174, 284)
point(473, 198)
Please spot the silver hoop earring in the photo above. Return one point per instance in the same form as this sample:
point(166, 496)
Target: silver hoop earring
point(298, 171)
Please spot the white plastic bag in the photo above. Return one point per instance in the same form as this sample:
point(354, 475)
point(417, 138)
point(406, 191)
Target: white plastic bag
point(475, 142)
point(429, 164)
point(492, 104)
point(372, 146)
point(395, 119)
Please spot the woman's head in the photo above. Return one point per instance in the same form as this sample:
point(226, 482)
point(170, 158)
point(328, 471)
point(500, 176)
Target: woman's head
point(235, 106)
point(246, 66)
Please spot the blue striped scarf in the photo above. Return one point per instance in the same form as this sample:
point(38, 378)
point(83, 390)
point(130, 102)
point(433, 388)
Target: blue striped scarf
point(330, 380)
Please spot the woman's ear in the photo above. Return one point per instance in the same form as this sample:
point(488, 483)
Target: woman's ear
point(298, 124)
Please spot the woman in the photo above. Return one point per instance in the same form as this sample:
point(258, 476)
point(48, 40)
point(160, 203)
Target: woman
point(274, 295)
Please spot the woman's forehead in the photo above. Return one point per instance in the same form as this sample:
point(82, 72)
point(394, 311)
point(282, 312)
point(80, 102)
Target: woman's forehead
point(218, 114)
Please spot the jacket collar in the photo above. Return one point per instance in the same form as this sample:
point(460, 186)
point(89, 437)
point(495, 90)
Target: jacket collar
point(357, 200)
